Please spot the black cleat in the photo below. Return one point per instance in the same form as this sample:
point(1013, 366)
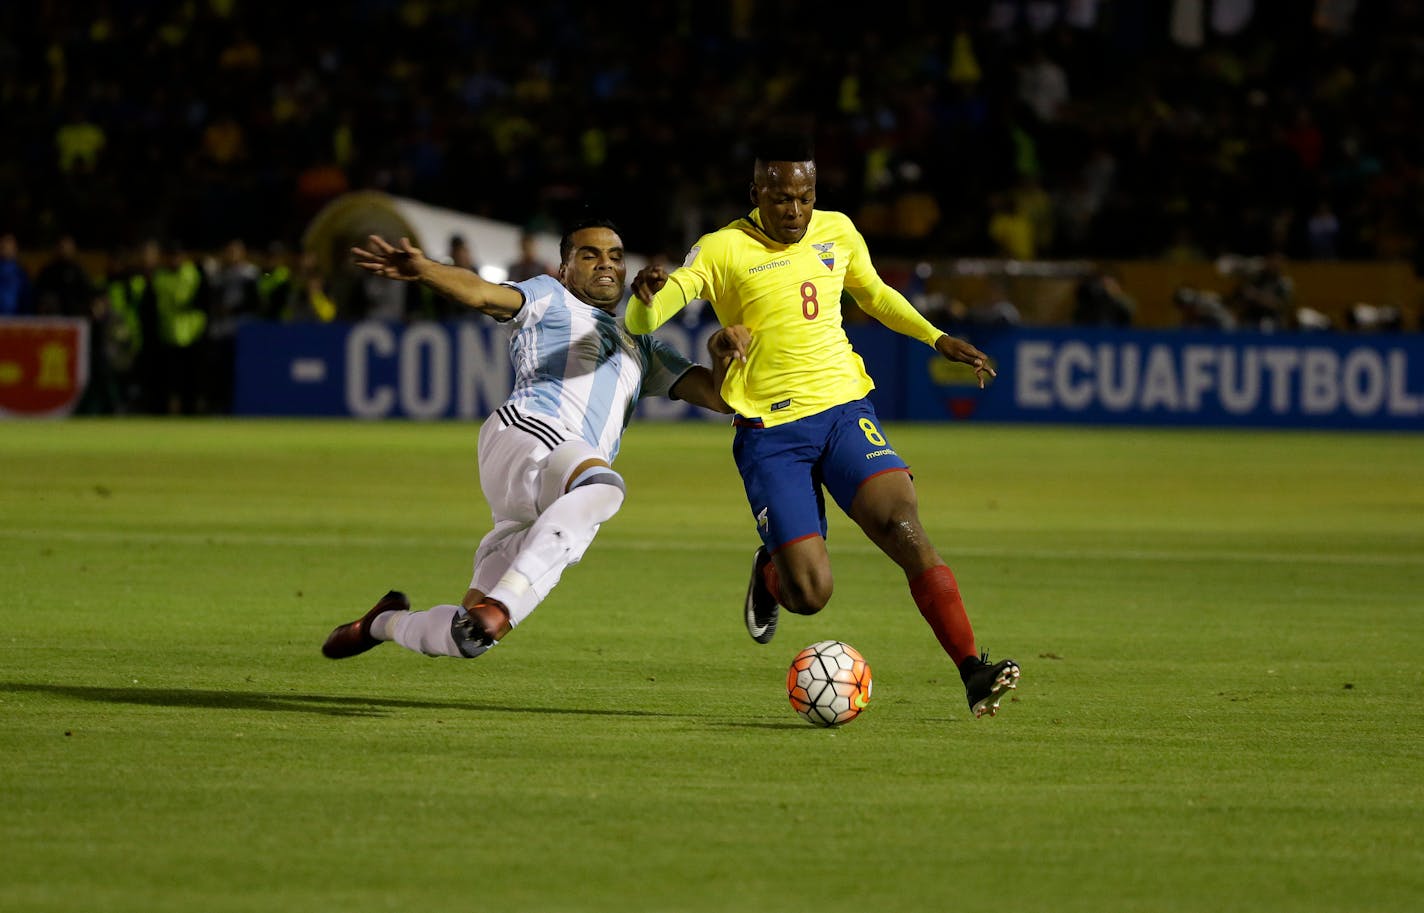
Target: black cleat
point(985, 685)
point(354, 637)
point(761, 608)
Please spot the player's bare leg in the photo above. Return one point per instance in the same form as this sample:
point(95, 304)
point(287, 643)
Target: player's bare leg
point(887, 510)
point(797, 577)
point(803, 575)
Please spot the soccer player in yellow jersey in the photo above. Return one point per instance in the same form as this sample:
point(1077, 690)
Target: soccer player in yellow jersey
point(803, 422)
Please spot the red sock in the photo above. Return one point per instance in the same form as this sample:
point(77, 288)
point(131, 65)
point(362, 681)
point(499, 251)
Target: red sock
point(772, 580)
point(936, 592)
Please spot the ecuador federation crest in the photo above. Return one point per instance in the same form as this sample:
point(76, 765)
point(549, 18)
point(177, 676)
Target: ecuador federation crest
point(824, 252)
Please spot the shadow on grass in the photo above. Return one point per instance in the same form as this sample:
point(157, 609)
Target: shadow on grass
point(327, 704)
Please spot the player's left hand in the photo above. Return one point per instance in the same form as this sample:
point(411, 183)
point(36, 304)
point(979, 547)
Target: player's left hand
point(964, 353)
point(730, 342)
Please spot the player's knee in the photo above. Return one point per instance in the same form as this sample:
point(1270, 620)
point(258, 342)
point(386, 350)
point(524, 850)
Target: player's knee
point(899, 532)
point(900, 523)
point(599, 475)
point(806, 594)
point(603, 488)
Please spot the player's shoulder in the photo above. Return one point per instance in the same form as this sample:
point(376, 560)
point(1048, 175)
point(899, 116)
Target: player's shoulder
point(831, 220)
point(541, 286)
point(714, 246)
point(541, 293)
point(729, 235)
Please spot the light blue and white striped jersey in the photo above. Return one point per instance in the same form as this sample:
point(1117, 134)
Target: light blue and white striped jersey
point(578, 364)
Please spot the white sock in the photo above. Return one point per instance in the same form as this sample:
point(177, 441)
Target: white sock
point(381, 625)
point(425, 632)
point(557, 540)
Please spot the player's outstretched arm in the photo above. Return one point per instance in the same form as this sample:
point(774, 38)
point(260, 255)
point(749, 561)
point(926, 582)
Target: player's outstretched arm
point(408, 263)
point(958, 350)
point(891, 308)
point(702, 387)
point(653, 301)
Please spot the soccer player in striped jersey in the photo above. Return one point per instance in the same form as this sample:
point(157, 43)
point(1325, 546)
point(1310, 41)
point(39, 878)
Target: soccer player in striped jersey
point(546, 455)
point(798, 389)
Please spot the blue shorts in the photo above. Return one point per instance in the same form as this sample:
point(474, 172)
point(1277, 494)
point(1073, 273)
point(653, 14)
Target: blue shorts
point(785, 468)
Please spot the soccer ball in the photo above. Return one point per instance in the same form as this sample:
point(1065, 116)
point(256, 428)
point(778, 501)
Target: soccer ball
point(829, 683)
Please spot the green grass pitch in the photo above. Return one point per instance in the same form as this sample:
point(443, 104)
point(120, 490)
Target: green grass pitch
point(1222, 703)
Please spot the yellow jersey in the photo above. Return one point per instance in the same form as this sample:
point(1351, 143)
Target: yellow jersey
point(789, 296)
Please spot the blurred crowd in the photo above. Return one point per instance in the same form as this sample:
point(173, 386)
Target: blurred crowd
point(164, 320)
point(1024, 128)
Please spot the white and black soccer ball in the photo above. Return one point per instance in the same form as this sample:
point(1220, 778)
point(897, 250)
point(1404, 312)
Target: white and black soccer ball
point(829, 683)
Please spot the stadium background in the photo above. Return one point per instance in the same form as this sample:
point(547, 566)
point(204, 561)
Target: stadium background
point(1039, 164)
point(1220, 630)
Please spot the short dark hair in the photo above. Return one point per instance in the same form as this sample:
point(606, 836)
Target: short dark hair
point(566, 243)
point(784, 146)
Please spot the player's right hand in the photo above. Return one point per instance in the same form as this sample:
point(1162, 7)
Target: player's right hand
point(648, 281)
point(381, 258)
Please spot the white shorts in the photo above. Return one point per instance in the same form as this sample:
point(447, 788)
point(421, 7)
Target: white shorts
point(525, 462)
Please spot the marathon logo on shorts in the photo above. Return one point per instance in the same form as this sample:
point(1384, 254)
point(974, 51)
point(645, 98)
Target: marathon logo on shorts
point(44, 365)
point(824, 252)
point(763, 520)
point(781, 405)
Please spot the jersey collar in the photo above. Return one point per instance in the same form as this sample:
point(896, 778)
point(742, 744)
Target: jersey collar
point(752, 226)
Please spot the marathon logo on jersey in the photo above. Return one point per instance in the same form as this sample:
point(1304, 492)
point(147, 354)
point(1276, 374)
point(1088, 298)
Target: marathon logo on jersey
point(766, 266)
point(824, 252)
point(692, 255)
point(44, 365)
